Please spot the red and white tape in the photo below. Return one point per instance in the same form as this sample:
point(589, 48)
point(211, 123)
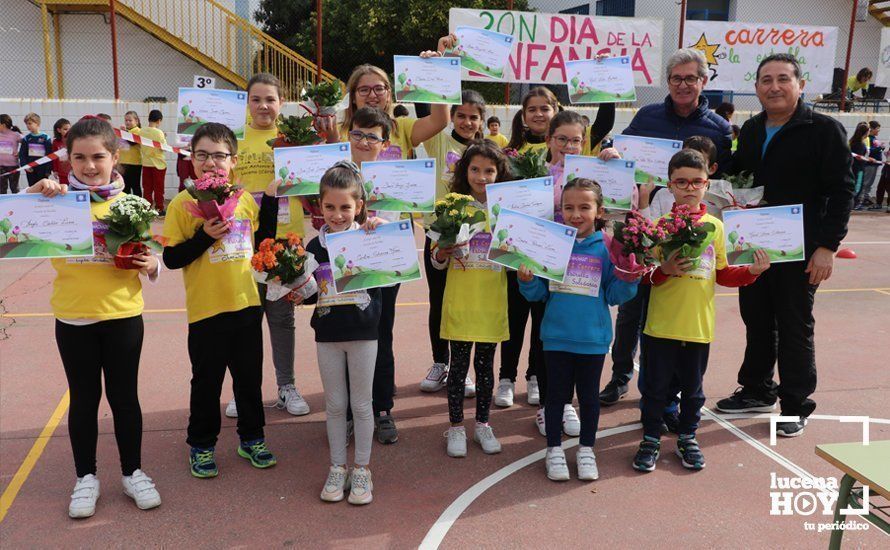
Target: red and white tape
point(123, 134)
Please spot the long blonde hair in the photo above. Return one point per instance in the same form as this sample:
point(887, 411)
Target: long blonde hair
point(352, 86)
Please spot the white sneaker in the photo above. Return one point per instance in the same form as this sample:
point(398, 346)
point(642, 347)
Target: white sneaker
point(539, 422)
point(360, 492)
point(457, 441)
point(587, 470)
point(534, 394)
point(231, 410)
point(291, 400)
point(571, 425)
point(84, 497)
point(555, 463)
point(484, 436)
point(469, 387)
point(503, 397)
point(335, 485)
point(141, 488)
point(435, 378)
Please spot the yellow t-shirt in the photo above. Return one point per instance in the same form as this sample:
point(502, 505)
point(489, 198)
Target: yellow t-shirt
point(256, 169)
point(447, 151)
point(682, 308)
point(150, 156)
point(400, 145)
point(221, 280)
point(500, 139)
point(92, 288)
point(474, 307)
point(854, 85)
point(130, 153)
point(533, 147)
point(589, 151)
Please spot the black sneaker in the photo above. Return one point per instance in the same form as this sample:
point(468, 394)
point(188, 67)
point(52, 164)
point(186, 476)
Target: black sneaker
point(690, 453)
point(647, 454)
point(612, 393)
point(386, 428)
point(741, 402)
point(791, 429)
point(670, 423)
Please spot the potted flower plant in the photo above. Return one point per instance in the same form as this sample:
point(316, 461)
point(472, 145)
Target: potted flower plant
point(129, 230)
point(286, 267)
point(216, 196)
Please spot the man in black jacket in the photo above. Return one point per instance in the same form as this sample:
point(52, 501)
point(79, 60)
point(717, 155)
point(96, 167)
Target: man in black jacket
point(799, 156)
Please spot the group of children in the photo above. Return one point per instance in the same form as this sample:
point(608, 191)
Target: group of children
point(474, 304)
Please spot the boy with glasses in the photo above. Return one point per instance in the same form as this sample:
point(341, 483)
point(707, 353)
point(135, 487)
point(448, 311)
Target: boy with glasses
point(680, 320)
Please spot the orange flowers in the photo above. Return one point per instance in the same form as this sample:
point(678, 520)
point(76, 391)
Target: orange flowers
point(282, 258)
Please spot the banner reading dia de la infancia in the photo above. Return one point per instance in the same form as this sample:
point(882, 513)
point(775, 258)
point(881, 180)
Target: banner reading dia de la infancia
point(545, 41)
point(734, 49)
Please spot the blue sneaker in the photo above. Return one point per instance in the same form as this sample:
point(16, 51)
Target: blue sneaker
point(257, 453)
point(690, 453)
point(647, 454)
point(202, 463)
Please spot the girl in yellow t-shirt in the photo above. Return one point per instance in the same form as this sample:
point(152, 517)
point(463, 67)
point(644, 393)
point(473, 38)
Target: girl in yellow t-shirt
point(98, 311)
point(530, 124)
point(255, 169)
point(225, 318)
point(474, 310)
point(131, 155)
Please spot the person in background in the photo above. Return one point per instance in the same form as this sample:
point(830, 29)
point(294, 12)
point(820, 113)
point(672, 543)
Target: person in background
point(10, 139)
point(858, 146)
point(35, 144)
point(184, 170)
point(399, 111)
point(494, 131)
point(61, 166)
point(859, 82)
point(876, 154)
point(735, 138)
point(131, 155)
point(725, 110)
point(154, 166)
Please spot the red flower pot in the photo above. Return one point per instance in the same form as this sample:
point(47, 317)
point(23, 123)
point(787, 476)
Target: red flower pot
point(126, 255)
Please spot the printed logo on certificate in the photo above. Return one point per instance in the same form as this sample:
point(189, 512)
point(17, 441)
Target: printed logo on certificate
point(615, 176)
point(383, 257)
point(778, 230)
point(237, 244)
point(33, 226)
point(651, 156)
point(542, 246)
point(301, 168)
point(583, 276)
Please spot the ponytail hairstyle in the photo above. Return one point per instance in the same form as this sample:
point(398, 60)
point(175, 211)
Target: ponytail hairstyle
point(474, 98)
point(92, 126)
point(518, 128)
point(587, 184)
point(57, 127)
point(345, 175)
point(6, 120)
point(460, 183)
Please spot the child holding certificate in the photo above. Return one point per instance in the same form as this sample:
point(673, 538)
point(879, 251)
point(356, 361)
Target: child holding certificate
point(98, 311)
point(576, 350)
point(346, 331)
point(224, 313)
point(680, 319)
point(474, 310)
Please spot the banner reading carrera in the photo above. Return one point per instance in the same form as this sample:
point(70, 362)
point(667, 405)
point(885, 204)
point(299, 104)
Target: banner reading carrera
point(544, 42)
point(734, 49)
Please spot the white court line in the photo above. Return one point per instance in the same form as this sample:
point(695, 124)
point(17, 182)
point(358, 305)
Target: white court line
point(437, 532)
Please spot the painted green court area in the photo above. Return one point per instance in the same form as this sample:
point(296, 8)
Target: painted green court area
point(399, 205)
point(362, 279)
point(743, 257)
point(421, 95)
point(296, 189)
point(471, 64)
point(515, 258)
point(38, 248)
point(599, 96)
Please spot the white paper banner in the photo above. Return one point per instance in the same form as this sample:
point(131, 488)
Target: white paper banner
point(734, 49)
point(882, 78)
point(544, 42)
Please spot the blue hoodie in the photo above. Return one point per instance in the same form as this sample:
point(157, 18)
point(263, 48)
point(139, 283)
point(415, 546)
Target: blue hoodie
point(579, 323)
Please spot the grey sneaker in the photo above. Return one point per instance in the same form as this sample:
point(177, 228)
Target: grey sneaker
point(457, 441)
point(484, 436)
point(386, 428)
point(291, 400)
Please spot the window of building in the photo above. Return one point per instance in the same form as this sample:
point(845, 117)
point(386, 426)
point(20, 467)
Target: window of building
point(708, 10)
point(583, 9)
point(624, 8)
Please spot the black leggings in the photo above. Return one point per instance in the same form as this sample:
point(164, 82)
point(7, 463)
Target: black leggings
point(518, 309)
point(435, 280)
point(113, 348)
point(133, 179)
point(566, 372)
point(460, 365)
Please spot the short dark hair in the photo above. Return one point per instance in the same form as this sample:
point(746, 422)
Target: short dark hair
point(874, 124)
point(216, 132)
point(104, 116)
point(703, 145)
point(725, 110)
point(864, 74)
point(372, 117)
point(688, 158)
point(736, 129)
point(155, 116)
point(58, 126)
point(91, 126)
point(400, 111)
point(492, 119)
point(780, 58)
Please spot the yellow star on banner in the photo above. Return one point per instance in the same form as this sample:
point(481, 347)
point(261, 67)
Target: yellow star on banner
point(708, 49)
point(218, 247)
